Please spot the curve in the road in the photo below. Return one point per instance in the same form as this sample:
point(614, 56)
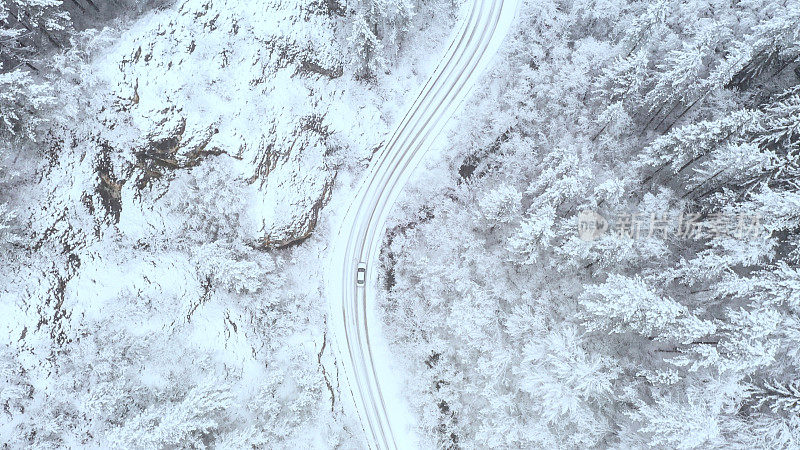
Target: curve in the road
point(362, 229)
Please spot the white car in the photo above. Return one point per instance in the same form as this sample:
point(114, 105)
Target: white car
point(361, 274)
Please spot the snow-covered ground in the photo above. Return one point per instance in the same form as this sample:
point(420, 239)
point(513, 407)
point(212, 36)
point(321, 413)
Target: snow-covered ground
point(371, 372)
point(168, 286)
point(602, 251)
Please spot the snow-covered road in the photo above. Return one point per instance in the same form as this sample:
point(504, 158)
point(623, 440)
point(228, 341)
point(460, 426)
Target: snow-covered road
point(362, 351)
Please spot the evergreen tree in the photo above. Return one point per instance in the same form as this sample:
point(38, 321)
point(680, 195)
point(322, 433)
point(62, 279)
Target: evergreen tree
point(378, 28)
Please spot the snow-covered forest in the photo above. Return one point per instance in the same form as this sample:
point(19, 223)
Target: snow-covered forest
point(601, 251)
point(516, 332)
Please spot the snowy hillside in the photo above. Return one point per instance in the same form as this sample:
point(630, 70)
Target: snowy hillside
point(163, 180)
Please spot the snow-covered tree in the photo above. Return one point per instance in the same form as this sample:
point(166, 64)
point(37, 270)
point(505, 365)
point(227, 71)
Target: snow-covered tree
point(24, 104)
point(31, 27)
point(624, 305)
point(680, 116)
point(378, 28)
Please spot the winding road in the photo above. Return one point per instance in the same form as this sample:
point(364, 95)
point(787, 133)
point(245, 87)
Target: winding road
point(374, 388)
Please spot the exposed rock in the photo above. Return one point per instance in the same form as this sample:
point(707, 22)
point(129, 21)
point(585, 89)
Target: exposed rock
point(296, 233)
point(280, 136)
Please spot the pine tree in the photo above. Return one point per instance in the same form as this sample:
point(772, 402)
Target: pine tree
point(646, 24)
point(23, 104)
point(780, 397)
point(678, 424)
point(684, 146)
point(534, 235)
point(501, 205)
point(767, 51)
point(31, 27)
point(378, 29)
point(623, 80)
point(680, 78)
point(778, 285)
point(626, 304)
point(367, 47)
